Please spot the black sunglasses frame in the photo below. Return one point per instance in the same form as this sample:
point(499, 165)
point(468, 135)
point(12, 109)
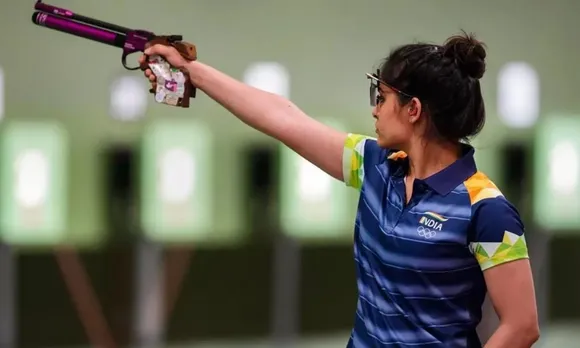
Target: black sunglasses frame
point(375, 97)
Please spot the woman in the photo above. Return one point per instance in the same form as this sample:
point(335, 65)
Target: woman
point(432, 233)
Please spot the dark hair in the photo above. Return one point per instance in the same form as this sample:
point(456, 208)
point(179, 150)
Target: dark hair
point(446, 81)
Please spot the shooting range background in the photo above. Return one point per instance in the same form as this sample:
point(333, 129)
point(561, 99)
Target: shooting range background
point(325, 46)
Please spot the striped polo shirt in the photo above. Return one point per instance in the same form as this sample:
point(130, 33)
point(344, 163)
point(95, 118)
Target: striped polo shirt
point(420, 265)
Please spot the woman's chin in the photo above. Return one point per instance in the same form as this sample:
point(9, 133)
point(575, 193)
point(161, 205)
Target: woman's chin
point(383, 142)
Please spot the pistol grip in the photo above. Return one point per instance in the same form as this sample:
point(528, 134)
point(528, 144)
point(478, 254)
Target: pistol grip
point(187, 51)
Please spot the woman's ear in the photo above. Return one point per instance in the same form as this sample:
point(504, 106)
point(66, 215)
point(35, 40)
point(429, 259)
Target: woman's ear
point(414, 110)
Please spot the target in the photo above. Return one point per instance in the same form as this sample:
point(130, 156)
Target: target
point(557, 173)
point(34, 184)
point(314, 205)
point(176, 188)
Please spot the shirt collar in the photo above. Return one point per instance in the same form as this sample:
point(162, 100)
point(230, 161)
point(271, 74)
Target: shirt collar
point(445, 180)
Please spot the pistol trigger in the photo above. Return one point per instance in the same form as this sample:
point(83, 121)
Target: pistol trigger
point(124, 62)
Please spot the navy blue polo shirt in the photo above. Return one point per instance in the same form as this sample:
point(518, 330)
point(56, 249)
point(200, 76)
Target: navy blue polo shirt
point(420, 265)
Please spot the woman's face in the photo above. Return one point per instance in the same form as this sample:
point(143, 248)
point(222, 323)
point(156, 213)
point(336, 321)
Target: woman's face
point(392, 125)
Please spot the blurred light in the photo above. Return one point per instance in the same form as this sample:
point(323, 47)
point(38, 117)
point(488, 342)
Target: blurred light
point(270, 77)
point(314, 185)
point(177, 176)
point(518, 95)
point(1, 93)
point(32, 178)
point(128, 98)
point(564, 168)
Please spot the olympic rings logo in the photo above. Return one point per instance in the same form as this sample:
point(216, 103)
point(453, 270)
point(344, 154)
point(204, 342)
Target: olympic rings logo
point(425, 232)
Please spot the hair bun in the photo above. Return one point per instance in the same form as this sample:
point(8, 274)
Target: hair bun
point(468, 53)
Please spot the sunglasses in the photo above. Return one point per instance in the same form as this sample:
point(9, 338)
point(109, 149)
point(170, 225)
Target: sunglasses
point(375, 97)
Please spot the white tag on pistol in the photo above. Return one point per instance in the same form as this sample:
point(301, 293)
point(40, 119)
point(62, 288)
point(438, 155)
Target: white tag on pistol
point(170, 81)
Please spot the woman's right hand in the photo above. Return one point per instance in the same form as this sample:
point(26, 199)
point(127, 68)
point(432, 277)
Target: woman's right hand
point(169, 53)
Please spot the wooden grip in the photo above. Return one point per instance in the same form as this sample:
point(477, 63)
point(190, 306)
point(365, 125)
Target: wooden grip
point(186, 49)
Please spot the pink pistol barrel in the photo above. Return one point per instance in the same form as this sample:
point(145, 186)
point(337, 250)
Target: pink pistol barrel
point(63, 20)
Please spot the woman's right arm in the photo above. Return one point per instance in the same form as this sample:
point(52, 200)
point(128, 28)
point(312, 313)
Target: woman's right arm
point(268, 113)
point(275, 116)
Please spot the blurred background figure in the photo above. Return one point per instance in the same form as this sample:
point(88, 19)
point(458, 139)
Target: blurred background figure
point(128, 223)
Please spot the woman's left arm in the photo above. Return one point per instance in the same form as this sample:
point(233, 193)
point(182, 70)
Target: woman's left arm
point(500, 247)
point(511, 290)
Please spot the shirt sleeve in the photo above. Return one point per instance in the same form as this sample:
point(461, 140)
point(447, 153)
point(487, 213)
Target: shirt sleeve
point(498, 233)
point(359, 150)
